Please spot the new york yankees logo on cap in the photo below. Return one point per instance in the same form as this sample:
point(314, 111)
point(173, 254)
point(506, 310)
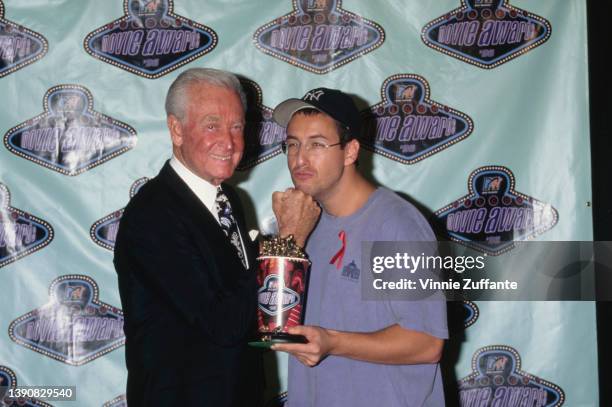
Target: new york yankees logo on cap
point(335, 103)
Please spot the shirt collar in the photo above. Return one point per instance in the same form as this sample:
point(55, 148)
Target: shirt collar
point(204, 190)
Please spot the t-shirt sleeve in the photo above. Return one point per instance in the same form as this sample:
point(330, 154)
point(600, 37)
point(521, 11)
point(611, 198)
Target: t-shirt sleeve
point(424, 312)
point(427, 316)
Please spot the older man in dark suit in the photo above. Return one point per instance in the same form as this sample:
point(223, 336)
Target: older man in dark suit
point(185, 263)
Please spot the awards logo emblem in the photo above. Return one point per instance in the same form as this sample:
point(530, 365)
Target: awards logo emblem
point(150, 40)
point(20, 233)
point(262, 136)
point(69, 136)
point(497, 380)
point(74, 327)
point(319, 36)
point(104, 231)
point(269, 293)
point(8, 380)
point(493, 215)
point(407, 126)
point(486, 33)
point(18, 45)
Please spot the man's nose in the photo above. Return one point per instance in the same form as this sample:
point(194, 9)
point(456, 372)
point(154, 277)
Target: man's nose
point(225, 138)
point(301, 156)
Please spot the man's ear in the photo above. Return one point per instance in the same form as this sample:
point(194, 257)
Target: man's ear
point(176, 130)
point(351, 152)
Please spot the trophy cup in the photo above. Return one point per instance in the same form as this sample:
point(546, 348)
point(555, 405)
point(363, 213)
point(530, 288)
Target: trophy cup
point(281, 277)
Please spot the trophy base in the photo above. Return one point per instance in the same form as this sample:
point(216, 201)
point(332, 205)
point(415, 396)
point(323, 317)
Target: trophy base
point(268, 339)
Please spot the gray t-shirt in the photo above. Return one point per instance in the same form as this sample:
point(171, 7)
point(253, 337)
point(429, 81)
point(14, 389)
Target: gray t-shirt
point(335, 302)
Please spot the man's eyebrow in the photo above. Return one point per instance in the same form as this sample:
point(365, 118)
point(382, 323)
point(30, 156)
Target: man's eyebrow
point(211, 118)
point(314, 136)
point(214, 119)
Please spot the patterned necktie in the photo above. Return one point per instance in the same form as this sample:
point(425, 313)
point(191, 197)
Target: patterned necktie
point(228, 223)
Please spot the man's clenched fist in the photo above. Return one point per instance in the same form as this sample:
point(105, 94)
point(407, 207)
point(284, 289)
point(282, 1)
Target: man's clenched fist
point(296, 213)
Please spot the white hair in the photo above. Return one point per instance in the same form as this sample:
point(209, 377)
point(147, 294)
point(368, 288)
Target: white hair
point(176, 98)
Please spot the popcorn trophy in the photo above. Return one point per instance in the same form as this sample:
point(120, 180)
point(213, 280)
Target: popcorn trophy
point(281, 277)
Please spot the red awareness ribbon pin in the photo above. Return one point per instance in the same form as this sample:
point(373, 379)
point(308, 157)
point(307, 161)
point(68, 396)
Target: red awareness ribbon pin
point(338, 257)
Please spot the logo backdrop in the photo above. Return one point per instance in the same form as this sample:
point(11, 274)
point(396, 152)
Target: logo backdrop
point(475, 109)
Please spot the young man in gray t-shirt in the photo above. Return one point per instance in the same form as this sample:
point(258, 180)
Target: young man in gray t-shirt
point(359, 353)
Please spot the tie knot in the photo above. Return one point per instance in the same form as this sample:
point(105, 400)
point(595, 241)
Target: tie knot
point(223, 206)
point(221, 197)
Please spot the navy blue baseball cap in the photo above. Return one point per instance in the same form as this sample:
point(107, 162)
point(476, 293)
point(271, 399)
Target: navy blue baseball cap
point(335, 103)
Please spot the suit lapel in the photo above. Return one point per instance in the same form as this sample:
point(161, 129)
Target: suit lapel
point(213, 240)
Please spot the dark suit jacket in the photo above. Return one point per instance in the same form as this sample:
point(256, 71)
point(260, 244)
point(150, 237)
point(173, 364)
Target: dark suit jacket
point(188, 302)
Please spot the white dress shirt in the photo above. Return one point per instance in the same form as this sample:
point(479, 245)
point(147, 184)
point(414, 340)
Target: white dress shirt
point(205, 191)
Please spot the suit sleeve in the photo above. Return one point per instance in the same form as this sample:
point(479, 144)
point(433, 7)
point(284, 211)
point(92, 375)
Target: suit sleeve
point(166, 262)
